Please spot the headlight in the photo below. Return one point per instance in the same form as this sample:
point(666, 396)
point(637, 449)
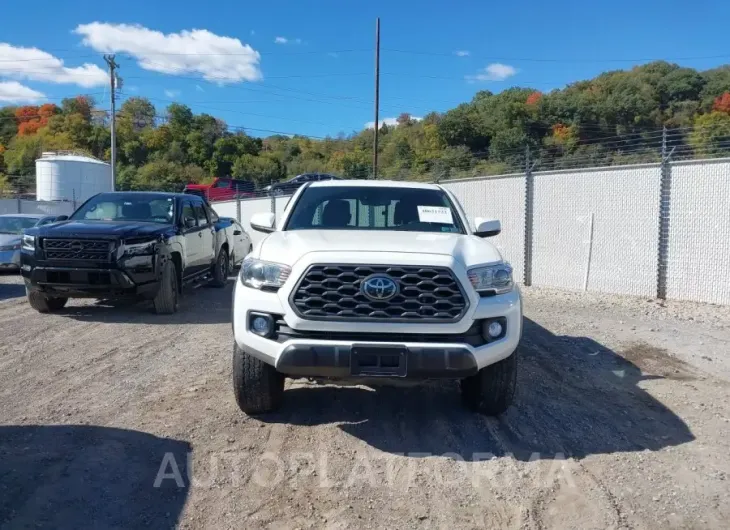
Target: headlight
point(497, 278)
point(14, 246)
point(259, 274)
point(140, 248)
point(28, 243)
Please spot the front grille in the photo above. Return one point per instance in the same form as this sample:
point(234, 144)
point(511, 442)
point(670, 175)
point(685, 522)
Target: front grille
point(77, 249)
point(332, 292)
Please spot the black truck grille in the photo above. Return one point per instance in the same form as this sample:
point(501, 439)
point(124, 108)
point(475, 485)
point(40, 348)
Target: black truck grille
point(425, 294)
point(77, 249)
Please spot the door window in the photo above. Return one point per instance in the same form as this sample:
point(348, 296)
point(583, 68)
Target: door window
point(188, 215)
point(200, 215)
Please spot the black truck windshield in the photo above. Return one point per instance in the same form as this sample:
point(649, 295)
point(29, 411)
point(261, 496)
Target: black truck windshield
point(374, 208)
point(127, 207)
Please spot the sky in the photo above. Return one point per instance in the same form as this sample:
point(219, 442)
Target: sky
point(307, 67)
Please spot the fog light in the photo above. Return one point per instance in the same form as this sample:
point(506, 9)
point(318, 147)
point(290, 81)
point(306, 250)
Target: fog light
point(261, 325)
point(494, 330)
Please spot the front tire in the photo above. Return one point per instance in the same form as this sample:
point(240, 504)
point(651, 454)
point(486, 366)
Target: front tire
point(166, 300)
point(492, 390)
point(258, 387)
point(221, 268)
point(44, 303)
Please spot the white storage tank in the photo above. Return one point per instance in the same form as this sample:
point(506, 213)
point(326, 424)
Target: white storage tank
point(70, 177)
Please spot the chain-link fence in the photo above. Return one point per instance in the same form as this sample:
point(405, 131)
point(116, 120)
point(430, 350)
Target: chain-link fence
point(655, 230)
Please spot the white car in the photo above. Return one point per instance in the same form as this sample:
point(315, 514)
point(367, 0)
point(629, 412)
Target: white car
point(239, 240)
point(374, 279)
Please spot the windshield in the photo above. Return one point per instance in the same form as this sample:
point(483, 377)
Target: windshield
point(106, 207)
point(369, 208)
point(16, 225)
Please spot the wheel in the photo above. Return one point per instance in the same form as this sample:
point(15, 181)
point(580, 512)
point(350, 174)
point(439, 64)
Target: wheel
point(220, 269)
point(167, 298)
point(44, 303)
point(492, 390)
point(258, 387)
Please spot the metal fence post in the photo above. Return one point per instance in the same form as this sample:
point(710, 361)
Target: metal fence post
point(665, 196)
point(20, 205)
point(238, 207)
point(529, 215)
point(273, 201)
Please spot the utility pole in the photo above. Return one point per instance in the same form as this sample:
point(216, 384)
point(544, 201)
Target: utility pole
point(113, 84)
point(377, 96)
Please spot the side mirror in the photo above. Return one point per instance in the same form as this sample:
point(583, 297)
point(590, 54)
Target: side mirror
point(189, 223)
point(487, 227)
point(61, 218)
point(263, 222)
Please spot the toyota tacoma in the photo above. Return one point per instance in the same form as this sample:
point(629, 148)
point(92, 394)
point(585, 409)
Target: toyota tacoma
point(142, 245)
point(375, 279)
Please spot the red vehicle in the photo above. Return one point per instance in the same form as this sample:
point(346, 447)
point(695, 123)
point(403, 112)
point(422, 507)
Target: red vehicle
point(222, 189)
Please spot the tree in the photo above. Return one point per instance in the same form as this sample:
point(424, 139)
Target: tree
point(79, 105)
point(180, 120)
point(722, 103)
point(711, 134)
point(8, 124)
point(137, 113)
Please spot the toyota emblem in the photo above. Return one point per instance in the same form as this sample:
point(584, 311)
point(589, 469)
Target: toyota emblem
point(379, 287)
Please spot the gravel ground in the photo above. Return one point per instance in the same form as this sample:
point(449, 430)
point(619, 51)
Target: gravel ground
point(621, 422)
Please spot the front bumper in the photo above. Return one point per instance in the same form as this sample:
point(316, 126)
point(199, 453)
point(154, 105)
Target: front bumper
point(10, 260)
point(138, 279)
point(429, 350)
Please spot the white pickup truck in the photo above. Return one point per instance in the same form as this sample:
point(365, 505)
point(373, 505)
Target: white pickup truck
point(375, 279)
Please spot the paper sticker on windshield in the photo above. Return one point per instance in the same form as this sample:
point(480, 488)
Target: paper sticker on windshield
point(435, 214)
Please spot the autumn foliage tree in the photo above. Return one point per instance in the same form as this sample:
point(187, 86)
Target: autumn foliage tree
point(722, 103)
point(534, 98)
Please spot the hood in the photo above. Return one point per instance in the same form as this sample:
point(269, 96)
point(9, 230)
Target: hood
point(289, 246)
point(103, 229)
point(9, 239)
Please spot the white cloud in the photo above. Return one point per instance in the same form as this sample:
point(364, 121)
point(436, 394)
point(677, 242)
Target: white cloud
point(219, 59)
point(172, 94)
point(284, 40)
point(334, 55)
point(14, 92)
point(493, 72)
point(199, 88)
point(461, 53)
point(388, 121)
point(37, 65)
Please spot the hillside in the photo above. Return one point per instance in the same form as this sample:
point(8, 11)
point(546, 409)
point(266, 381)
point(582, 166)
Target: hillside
point(616, 117)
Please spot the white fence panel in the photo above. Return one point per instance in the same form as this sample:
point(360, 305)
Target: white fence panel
point(698, 267)
point(248, 208)
point(35, 207)
point(499, 198)
point(624, 205)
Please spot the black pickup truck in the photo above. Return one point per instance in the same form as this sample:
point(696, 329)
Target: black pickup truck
point(144, 245)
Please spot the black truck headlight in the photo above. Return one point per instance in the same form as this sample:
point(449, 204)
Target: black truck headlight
point(140, 248)
point(28, 243)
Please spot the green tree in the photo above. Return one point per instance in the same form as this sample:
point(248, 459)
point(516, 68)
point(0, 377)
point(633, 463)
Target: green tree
point(711, 134)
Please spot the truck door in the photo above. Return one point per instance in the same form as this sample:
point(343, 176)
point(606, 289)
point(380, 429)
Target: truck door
point(193, 238)
point(207, 238)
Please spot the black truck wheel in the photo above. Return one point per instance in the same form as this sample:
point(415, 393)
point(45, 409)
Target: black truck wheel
point(258, 387)
point(220, 269)
point(44, 303)
point(167, 298)
point(492, 390)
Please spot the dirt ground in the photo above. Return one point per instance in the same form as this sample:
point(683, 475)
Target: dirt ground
point(113, 417)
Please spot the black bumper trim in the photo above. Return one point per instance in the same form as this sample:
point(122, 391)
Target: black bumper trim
point(86, 282)
point(329, 360)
